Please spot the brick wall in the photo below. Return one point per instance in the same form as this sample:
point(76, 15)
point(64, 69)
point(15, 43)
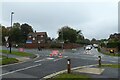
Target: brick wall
point(46, 45)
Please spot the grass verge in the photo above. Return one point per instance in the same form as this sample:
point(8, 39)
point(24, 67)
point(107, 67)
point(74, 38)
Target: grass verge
point(8, 61)
point(71, 76)
point(1, 56)
point(110, 54)
point(23, 54)
point(111, 65)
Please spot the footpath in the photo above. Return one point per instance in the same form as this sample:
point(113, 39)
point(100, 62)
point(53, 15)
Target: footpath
point(99, 72)
point(95, 72)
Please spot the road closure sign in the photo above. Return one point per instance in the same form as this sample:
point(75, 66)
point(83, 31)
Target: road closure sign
point(21, 49)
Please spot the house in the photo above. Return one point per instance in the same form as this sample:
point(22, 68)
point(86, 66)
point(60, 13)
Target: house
point(37, 38)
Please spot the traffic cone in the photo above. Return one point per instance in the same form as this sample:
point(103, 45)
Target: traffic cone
point(60, 55)
point(50, 55)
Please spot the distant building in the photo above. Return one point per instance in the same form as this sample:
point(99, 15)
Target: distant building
point(37, 37)
point(9, 28)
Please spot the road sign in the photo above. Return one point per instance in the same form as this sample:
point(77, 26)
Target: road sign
point(7, 45)
point(6, 38)
point(21, 49)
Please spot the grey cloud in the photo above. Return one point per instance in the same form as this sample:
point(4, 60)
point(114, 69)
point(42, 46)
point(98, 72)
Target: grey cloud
point(92, 18)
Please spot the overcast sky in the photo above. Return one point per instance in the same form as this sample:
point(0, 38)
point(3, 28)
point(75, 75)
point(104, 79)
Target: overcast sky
point(95, 19)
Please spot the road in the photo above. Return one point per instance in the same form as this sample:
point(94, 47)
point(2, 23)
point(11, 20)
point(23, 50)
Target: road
point(45, 65)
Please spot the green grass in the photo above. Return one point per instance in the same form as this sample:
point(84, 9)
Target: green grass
point(111, 65)
point(1, 56)
point(8, 61)
point(23, 54)
point(110, 54)
point(66, 76)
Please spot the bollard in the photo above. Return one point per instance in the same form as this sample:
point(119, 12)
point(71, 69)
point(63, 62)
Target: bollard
point(69, 66)
point(99, 61)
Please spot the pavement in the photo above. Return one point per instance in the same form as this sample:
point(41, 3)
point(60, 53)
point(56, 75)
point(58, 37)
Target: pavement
point(104, 73)
point(96, 72)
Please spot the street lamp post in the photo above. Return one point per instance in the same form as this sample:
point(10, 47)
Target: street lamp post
point(11, 28)
point(62, 40)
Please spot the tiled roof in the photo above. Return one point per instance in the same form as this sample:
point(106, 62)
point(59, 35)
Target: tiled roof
point(37, 33)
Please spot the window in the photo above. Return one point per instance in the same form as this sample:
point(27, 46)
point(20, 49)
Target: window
point(42, 35)
point(33, 38)
point(30, 36)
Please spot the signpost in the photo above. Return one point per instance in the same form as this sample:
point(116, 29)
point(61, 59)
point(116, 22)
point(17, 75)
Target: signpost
point(6, 38)
point(7, 44)
point(21, 49)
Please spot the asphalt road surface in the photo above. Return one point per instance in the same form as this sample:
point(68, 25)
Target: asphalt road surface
point(44, 65)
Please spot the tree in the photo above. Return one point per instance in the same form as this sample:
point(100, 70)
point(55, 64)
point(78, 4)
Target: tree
point(16, 33)
point(5, 32)
point(16, 25)
point(25, 30)
point(93, 41)
point(67, 34)
point(86, 41)
point(80, 37)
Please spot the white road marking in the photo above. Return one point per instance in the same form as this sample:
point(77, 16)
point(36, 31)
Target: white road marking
point(43, 60)
point(57, 59)
point(49, 58)
point(37, 56)
point(65, 56)
point(20, 70)
point(39, 60)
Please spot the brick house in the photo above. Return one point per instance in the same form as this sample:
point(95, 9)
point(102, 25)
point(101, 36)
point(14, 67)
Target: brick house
point(37, 37)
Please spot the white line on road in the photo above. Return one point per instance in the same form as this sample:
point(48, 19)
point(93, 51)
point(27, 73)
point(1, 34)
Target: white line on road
point(58, 59)
point(40, 60)
point(65, 56)
point(20, 70)
point(43, 59)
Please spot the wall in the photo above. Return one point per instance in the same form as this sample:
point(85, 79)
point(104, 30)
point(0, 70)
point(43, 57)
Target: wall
point(49, 45)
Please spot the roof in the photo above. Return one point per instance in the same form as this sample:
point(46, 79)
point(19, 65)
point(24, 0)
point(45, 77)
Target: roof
point(37, 33)
point(41, 33)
